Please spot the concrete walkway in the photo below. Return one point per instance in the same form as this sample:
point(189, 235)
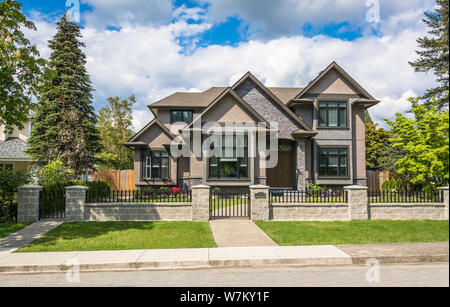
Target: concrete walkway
point(26, 235)
point(239, 233)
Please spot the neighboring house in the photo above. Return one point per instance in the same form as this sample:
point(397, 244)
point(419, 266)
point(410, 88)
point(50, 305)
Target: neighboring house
point(12, 146)
point(320, 130)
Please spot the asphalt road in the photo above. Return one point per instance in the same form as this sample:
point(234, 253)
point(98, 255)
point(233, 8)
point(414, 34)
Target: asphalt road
point(436, 274)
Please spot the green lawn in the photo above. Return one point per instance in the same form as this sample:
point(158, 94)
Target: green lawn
point(92, 236)
point(355, 232)
point(8, 228)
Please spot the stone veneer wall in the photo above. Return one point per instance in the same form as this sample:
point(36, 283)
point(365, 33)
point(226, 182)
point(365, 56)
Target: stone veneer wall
point(138, 212)
point(402, 211)
point(311, 212)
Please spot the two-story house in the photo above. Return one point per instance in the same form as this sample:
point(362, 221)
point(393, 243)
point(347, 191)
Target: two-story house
point(12, 146)
point(320, 134)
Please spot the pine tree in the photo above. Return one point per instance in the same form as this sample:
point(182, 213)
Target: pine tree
point(65, 122)
point(434, 56)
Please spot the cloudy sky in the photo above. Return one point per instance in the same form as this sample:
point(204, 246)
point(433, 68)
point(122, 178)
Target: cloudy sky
point(152, 48)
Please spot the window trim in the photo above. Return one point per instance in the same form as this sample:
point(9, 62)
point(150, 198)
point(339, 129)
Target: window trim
point(347, 147)
point(239, 178)
point(328, 100)
point(144, 158)
point(177, 110)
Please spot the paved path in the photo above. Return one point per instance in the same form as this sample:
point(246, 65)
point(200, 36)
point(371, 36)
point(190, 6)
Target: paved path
point(238, 233)
point(26, 235)
point(418, 275)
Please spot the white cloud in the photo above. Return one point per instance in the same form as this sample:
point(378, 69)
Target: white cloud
point(130, 12)
point(269, 19)
point(148, 61)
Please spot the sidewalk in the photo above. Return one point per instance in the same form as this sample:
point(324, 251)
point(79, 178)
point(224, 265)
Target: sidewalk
point(239, 233)
point(222, 257)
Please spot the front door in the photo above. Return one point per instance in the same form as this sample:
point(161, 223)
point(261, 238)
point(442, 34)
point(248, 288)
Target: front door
point(282, 176)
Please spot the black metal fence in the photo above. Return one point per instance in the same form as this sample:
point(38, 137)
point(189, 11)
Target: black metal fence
point(52, 204)
point(292, 196)
point(229, 203)
point(137, 196)
point(405, 197)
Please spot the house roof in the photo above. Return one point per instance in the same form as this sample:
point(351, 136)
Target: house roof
point(334, 65)
point(180, 99)
point(285, 94)
point(242, 102)
point(13, 148)
point(157, 122)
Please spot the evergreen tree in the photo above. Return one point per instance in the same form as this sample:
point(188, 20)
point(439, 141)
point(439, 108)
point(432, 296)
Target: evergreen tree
point(434, 54)
point(116, 128)
point(65, 122)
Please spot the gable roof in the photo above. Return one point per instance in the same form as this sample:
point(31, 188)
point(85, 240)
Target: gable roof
point(346, 76)
point(133, 142)
point(291, 114)
point(189, 100)
point(241, 101)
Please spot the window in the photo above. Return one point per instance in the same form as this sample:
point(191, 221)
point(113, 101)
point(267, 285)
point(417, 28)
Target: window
point(332, 114)
point(333, 162)
point(6, 167)
point(181, 116)
point(234, 160)
point(155, 165)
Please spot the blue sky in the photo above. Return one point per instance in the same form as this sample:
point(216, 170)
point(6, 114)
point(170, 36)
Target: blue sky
point(151, 48)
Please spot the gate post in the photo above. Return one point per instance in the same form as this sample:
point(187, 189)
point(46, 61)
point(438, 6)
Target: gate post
point(259, 203)
point(28, 203)
point(358, 203)
point(200, 203)
point(75, 203)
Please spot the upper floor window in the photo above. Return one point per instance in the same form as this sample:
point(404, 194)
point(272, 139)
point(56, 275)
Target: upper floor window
point(155, 165)
point(332, 114)
point(181, 116)
point(333, 162)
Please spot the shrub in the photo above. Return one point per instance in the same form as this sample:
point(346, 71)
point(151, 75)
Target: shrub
point(55, 172)
point(393, 184)
point(9, 182)
point(315, 189)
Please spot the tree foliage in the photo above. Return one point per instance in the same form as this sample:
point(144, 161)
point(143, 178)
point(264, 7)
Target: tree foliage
point(434, 55)
point(377, 144)
point(424, 142)
point(65, 122)
point(116, 128)
point(20, 66)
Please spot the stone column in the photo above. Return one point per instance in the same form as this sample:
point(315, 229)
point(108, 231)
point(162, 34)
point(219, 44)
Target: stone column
point(259, 203)
point(75, 203)
point(200, 203)
point(301, 165)
point(444, 191)
point(28, 203)
point(358, 207)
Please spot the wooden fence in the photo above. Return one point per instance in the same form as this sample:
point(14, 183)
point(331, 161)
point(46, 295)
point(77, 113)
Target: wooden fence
point(118, 180)
point(375, 180)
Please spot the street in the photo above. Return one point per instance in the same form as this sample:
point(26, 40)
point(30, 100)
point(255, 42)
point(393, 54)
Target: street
point(415, 275)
